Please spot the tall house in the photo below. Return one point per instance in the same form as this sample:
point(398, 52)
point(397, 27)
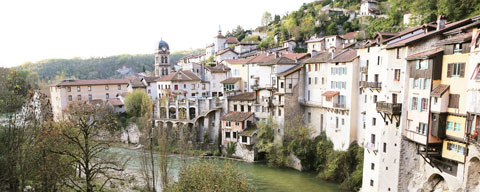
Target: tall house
point(331, 89)
point(69, 91)
point(162, 59)
point(219, 41)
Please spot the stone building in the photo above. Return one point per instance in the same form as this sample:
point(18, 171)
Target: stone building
point(162, 59)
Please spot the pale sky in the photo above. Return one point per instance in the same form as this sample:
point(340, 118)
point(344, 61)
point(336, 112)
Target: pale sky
point(35, 30)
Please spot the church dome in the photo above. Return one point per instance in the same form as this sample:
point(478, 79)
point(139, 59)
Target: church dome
point(163, 44)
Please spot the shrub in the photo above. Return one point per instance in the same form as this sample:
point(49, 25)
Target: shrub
point(231, 148)
point(211, 175)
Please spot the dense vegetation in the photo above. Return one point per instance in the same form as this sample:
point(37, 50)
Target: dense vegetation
point(316, 154)
point(98, 68)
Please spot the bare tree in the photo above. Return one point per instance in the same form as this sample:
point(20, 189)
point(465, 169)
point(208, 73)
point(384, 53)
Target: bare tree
point(85, 123)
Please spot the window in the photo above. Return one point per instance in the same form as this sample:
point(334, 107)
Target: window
point(316, 80)
point(371, 182)
point(378, 60)
point(89, 88)
point(336, 122)
point(309, 117)
point(234, 135)
point(397, 75)
point(372, 139)
point(414, 103)
point(309, 80)
point(184, 86)
point(119, 87)
point(308, 95)
point(422, 129)
point(69, 89)
point(323, 80)
point(279, 112)
point(385, 147)
point(237, 123)
point(79, 97)
point(476, 72)
point(457, 127)
point(234, 107)
point(106, 87)
point(398, 53)
point(453, 100)
point(244, 139)
point(89, 96)
point(309, 68)
point(70, 98)
point(449, 126)
point(316, 67)
point(424, 104)
point(374, 121)
point(228, 124)
point(457, 48)
point(456, 70)
point(281, 85)
point(175, 87)
point(78, 88)
point(227, 134)
point(107, 96)
point(375, 98)
point(289, 85)
point(242, 108)
point(372, 166)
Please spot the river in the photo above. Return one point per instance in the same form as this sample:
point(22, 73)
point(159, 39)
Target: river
point(263, 177)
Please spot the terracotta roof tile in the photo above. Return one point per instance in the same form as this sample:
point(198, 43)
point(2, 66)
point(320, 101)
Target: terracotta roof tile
point(220, 68)
point(278, 61)
point(237, 116)
point(439, 90)
point(91, 82)
point(350, 35)
point(231, 80)
point(231, 40)
point(425, 54)
point(330, 94)
point(223, 51)
point(150, 79)
point(321, 57)
point(115, 101)
point(185, 75)
point(345, 56)
point(248, 96)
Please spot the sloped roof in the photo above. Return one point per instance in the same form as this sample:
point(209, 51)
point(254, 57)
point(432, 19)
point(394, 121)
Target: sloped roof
point(279, 61)
point(150, 79)
point(329, 94)
point(460, 38)
point(115, 101)
point(223, 51)
point(135, 83)
point(346, 56)
point(249, 131)
point(247, 96)
point(238, 61)
point(439, 90)
point(321, 57)
point(291, 70)
point(349, 35)
point(231, 40)
point(237, 116)
point(91, 82)
point(425, 54)
point(424, 35)
point(231, 80)
point(220, 68)
point(184, 75)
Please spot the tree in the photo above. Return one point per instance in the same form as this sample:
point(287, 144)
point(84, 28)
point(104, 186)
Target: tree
point(210, 175)
point(332, 29)
point(266, 19)
point(84, 124)
point(137, 103)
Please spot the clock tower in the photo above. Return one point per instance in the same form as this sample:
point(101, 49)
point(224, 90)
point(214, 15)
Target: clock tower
point(162, 60)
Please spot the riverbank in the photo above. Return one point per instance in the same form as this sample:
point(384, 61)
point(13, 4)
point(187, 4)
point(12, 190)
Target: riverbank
point(263, 177)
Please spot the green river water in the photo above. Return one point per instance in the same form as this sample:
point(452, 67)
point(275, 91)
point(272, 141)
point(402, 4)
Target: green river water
point(263, 177)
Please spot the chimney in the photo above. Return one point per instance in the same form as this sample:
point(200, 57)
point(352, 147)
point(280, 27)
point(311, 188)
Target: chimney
point(441, 21)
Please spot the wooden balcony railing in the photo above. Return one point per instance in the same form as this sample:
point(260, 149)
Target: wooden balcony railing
point(364, 69)
point(389, 108)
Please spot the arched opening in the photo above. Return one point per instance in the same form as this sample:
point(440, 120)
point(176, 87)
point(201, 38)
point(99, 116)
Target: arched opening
point(169, 128)
point(182, 113)
point(192, 111)
point(436, 183)
point(163, 112)
point(172, 112)
point(200, 130)
point(473, 177)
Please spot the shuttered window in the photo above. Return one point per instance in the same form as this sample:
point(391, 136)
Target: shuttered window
point(456, 70)
point(453, 100)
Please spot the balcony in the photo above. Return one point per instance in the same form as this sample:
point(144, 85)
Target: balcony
point(374, 85)
point(415, 137)
point(364, 69)
point(339, 105)
point(389, 108)
point(362, 84)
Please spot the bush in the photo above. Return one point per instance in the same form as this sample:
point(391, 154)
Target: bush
point(231, 148)
point(211, 175)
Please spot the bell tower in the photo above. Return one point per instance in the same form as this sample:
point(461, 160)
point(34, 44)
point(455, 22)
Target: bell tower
point(162, 59)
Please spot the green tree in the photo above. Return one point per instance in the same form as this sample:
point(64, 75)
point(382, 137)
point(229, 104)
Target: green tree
point(137, 103)
point(332, 29)
point(266, 18)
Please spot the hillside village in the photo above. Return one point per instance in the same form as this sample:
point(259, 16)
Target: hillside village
point(411, 98)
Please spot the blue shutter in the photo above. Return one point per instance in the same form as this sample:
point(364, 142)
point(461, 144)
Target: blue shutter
point(410, 103)
point(426, 63)
point(427, 82)
point(411, 83)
